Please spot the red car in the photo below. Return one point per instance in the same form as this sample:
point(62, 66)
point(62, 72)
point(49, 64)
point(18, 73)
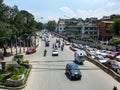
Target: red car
point(113, 65)
point(113, 55)
point(1, 55)
point(31, 50)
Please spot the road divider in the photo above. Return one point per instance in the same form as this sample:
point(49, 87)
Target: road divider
point(102, 66)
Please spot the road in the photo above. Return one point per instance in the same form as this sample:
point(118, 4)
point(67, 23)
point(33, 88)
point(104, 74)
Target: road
point(48, 73)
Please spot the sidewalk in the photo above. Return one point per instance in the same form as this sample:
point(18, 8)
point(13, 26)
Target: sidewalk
point(19, 50)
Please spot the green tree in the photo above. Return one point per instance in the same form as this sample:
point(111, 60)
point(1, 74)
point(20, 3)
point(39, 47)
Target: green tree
point(51, 25)
point(40, 26)
point(115, 26)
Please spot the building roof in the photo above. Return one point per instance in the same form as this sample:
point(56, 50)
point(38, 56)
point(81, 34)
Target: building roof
point(107, 21)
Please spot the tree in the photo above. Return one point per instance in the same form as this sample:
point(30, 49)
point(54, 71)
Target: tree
point(51, 25)
point(115, 26)
point(40, 26)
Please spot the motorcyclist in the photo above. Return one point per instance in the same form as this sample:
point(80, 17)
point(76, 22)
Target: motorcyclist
point(45, 51)
point(115, 88)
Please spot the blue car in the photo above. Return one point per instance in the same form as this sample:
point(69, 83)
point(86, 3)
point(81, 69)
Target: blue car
point(73, 71)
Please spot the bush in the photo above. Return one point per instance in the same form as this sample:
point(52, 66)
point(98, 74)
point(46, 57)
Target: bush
point(115, 42)
point(18, 74)
point(11, 67)
point(4, 77)
point(18, 56)
point(16, 77)
point(25, 61)
point(20, 70)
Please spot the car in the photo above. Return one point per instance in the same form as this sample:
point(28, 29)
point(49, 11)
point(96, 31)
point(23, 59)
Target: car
point(74, 45)
point(67, 43)
point(113, 55)
point(1, 55)
point(118, 58)
point(92, 56)
point(30, 50)
point(55, 52)
point(112, 65)
point(80, 46)
point(107, 53)
point(103, 53)
point(101, 59)
point(79, 57)
point(73, 71)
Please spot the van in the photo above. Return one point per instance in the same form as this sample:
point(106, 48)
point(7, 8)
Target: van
point(79, 57)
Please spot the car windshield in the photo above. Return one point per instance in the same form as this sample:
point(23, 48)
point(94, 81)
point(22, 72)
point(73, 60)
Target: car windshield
point(114, 64)
point(101, 58)
point(82, 57)
point(74, 67)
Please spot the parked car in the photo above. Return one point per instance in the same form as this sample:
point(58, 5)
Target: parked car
point(80, 46)
point(73, 71)
point(113, 65)
point(108, 52)
point(92, 55)
point(1, 55)
point(101, 59)
point(74, 45)
point(55, 52)
point(113, 55)
point(104, 53)
point(118, 58)
point(31, 50)
point(67, 43)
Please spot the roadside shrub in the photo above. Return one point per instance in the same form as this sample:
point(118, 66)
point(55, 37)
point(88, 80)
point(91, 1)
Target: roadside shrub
point(4, 77)
point(16, 77)
point(11, 67)
point(25, 61)
point(18, 56)
point(20, 70)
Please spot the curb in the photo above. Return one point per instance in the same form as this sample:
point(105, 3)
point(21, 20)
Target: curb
point(24, 83)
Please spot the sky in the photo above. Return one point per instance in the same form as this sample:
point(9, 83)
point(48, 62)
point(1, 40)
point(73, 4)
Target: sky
point(45, 10)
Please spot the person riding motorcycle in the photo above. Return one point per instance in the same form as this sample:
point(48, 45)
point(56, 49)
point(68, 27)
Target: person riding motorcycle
point(115, 88)
point(45, 51)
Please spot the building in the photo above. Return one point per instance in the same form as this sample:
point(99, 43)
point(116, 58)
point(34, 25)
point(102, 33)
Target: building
point(105, 34)
point(79, 27)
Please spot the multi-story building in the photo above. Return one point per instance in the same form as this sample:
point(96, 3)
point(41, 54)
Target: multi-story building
point(104, 23)
point(105, 34)
point(79, 27)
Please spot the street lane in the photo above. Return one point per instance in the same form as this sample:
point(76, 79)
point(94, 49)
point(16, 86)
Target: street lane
point(48, 72)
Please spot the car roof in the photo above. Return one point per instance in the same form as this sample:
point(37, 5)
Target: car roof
point(72, 64)
point(80, 53)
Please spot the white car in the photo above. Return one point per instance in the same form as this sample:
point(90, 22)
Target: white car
point(118, 58)
point(104, 53)
point(55, 52)
point(101, 59)
point(67, 43)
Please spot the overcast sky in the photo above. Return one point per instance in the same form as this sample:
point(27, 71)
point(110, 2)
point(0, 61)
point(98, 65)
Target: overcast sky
point(55, 9)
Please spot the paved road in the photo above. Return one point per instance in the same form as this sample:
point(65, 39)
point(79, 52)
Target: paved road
point(48, 73)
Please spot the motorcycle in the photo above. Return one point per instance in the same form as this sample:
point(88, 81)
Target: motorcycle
point(45, 52)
